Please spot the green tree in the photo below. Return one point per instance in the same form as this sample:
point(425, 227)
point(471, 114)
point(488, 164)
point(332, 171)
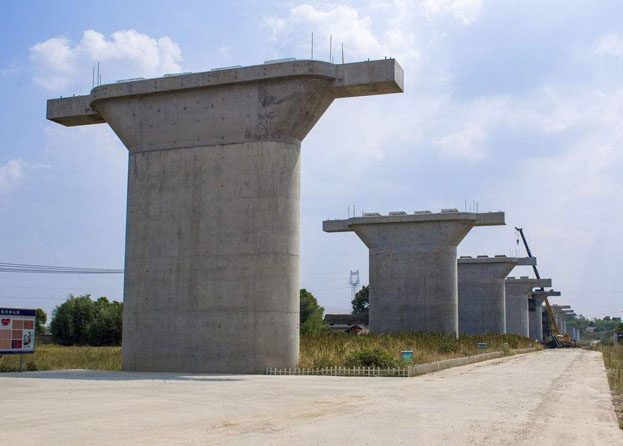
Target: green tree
point(311, 314)
point(107, 324)
point(361, 301)
point(82, 321)
point(40, 319)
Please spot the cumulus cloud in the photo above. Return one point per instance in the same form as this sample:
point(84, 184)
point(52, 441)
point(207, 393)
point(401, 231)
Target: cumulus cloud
point(10, 174)
point(464, 11)
point(610, 45)
point(60, 64)
point(342, 21)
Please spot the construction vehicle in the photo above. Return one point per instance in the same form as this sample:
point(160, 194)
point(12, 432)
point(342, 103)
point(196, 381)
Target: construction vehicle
point(558, 339)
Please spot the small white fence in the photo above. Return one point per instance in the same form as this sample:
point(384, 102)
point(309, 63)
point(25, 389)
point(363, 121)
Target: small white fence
point(402, 372)
point(343, 371)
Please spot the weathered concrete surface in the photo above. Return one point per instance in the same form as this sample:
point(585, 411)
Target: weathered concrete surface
point(413, 269)
point(535, 312)
point(555, 397)
point(482, 306)
point(212, 238)
point(518, 292)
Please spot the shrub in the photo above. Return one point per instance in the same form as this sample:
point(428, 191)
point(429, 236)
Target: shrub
point(371, 358)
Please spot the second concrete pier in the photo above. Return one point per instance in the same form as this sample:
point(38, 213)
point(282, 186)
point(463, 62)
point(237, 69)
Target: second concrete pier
point(518, 292)
point(482, 307)
point(413, 266)
point(535, 312)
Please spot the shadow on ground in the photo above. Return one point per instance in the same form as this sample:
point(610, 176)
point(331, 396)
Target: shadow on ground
point(98, 375)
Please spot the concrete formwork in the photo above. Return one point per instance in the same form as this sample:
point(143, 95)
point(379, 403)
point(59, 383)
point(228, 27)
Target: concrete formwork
point(517, 295)
point(535, 312)
point(212, 241)
point(482, 306)
point(413, 266)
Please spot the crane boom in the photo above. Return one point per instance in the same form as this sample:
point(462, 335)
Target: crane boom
point(538, 276)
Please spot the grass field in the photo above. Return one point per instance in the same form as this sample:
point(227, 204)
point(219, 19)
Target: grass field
point(316, 351)
point(56, 357)
point(613, 359)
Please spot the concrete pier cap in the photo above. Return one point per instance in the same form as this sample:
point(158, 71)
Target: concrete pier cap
point(413, 266)
point(518, 292)
point(481, 292)
point(535, 312)
point(213, 220)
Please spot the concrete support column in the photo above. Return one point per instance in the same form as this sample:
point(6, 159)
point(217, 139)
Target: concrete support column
point(535, 320)
point(482, 306)
point(212, 240)
point(413, 266)
point(517, 295)
point(535, 308)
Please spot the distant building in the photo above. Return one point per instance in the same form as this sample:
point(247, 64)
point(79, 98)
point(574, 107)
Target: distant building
point(590, 329)
point(352, 323)
point(617, 338)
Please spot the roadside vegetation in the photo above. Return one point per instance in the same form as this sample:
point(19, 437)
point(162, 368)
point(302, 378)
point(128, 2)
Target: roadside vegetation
point(328, 350)
point(56, 357)
point(613, 360)
point(86, 334)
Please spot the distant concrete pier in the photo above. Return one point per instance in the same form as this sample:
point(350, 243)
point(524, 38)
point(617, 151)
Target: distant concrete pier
point(518, 291)
point(413, 266)
point(212, 241)
point(482, 306)
point(535, 312)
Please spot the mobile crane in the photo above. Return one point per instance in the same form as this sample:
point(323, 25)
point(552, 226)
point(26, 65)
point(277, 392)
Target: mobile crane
point(558, 339)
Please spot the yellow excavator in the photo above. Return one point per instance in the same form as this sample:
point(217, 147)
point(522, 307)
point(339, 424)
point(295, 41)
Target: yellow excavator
point(558, 339)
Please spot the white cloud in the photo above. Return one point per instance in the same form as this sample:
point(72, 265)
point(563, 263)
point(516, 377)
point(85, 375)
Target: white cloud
point(610, 45)
point(464, 11)
point(343, 22)
point(128, 53)
point(10, 174)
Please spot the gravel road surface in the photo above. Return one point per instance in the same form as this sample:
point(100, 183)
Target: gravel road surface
point(554, 397)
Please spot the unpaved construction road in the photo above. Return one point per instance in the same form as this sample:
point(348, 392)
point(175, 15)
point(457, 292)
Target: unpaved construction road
point(555, 397)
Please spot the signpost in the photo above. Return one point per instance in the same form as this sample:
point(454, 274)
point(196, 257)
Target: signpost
point(407, 356)
point(17, 332)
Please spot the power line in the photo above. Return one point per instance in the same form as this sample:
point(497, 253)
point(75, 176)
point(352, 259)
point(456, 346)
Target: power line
point(46, 269)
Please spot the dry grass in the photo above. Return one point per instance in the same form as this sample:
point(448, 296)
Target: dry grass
point(332, 350)
point(316, 351)
point(55, 357)
point(613, 359)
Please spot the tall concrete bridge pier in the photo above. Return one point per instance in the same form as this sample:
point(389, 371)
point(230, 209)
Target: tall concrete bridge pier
point(535, 312)
point(482, 306)
point(212, 239)
point(565, 314)
point(413, 266)
point(559, 314)
point(518, 292)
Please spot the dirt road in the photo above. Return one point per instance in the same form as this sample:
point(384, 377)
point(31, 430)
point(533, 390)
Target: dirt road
point(547, 398)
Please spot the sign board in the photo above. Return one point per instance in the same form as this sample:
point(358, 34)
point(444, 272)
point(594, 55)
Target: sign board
point(407, 356)
point(17, 331)
point(482, 345)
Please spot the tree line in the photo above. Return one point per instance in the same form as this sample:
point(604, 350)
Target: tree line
point(81, 320)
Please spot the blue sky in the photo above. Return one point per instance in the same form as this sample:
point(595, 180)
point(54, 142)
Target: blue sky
point(517, 105)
